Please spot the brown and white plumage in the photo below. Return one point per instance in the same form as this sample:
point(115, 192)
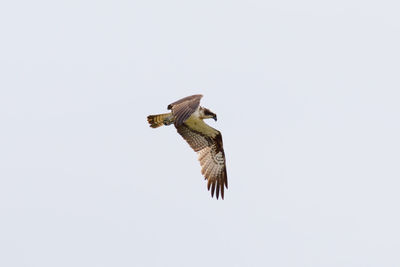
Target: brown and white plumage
point(187, 116)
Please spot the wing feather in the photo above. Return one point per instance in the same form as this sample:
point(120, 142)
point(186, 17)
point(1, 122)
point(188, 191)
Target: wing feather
point(205, 167)
point(203, 155)
point(183, 108)
point(211, 155)
point(209, 170)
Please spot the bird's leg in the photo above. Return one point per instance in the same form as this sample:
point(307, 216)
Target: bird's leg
point(169, 120)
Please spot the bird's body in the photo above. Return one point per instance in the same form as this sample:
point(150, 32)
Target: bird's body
point(187, 115)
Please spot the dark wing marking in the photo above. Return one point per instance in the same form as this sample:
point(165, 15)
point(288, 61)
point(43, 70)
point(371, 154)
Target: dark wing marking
point(211, 156)
point(183, 108)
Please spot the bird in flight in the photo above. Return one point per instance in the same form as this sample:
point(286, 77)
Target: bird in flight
point(187, 115)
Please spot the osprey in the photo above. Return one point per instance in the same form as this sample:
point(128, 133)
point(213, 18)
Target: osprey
point(187, 115)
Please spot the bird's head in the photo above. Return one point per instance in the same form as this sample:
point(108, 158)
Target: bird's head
point(205, 113)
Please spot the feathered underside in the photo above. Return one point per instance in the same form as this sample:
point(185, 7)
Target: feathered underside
point(207, 142)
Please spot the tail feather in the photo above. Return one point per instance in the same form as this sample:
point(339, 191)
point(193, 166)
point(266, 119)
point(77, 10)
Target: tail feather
point(157, 120)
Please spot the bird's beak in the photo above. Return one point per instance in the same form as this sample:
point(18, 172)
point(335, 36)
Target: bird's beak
point(215, 117)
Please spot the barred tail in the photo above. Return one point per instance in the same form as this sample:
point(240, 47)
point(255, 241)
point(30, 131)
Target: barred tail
point(157, 120)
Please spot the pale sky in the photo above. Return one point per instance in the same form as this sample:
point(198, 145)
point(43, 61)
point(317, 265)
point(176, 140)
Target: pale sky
point(307, 95)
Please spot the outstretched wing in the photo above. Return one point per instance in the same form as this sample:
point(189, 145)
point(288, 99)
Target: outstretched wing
point(183, 108)
point(207, 142)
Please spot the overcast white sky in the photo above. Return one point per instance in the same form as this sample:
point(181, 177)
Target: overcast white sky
point(307, 97)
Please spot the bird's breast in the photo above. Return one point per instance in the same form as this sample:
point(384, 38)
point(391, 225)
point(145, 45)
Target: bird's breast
point(200, 126)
